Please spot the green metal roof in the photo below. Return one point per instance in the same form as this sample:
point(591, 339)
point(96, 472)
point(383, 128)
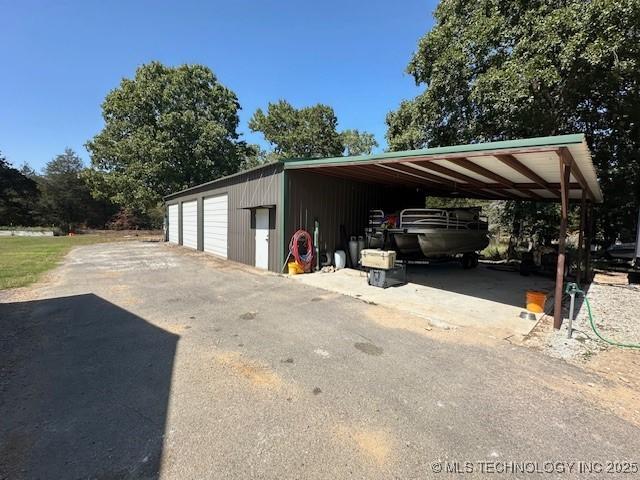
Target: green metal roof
point(554, 141)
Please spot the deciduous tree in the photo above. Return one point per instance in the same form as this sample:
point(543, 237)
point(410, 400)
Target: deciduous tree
point(66, 196)
point(19, 196)
point(299, 133)
point(165, 130)
point(498, 70)
point(358, 143)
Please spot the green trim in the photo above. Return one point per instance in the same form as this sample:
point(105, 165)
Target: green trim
point(554, 141)
point(284, 184)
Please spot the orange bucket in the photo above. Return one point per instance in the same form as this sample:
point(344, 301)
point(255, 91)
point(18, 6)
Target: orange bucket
point(535, 301)
point(294, 268)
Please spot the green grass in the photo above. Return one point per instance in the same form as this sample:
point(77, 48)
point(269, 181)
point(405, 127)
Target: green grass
point(495, 251)
point(24, 259)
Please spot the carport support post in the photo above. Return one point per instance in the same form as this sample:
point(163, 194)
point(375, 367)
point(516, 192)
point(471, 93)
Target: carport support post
point(589, 239)
point(565, 172)
point(583, 214)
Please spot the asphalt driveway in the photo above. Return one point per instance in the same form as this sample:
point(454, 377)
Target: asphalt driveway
point(142, 360)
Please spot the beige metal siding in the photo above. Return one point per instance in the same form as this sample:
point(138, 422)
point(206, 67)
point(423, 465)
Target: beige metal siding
point(215, 224)
point(190, 224)
point(172, 223)
point(256, 188)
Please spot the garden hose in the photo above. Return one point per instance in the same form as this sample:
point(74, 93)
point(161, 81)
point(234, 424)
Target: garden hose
point(302, 259)
point(575, 289)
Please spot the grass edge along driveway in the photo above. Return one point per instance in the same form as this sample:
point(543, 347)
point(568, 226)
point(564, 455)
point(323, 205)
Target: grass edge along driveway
point(24, 259)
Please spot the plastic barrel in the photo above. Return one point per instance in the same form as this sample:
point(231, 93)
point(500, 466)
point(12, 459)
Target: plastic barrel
point(353, 252)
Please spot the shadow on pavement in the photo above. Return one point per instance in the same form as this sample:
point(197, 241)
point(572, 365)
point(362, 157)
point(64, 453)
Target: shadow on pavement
point(485, 282)
point(84, 388)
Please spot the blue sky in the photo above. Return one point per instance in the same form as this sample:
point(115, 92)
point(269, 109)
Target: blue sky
point(60, 58)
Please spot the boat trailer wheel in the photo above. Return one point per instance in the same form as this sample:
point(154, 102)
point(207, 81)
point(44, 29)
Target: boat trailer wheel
point(469, 260)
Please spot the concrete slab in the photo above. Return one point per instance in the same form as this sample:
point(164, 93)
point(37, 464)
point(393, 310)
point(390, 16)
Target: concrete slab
point(445, 294)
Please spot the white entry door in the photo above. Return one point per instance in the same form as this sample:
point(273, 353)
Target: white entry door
point(173, 223)
point(216, 224)
point(262, 238)
point(190, 224)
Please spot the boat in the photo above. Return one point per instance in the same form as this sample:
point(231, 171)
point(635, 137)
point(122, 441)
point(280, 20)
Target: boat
point(431, 232)
point(622, 251)
point(446, 231)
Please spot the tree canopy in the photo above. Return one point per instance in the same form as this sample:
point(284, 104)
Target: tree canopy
point(308, 132)
point(66, 197)
point(497, 70)
point(59, 197)
point(165, 130)
point(358, 143)
point(299, 133)
point(18, 196)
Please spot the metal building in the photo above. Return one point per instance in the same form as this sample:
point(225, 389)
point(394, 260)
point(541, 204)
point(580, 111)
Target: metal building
point(249, 217)
point(245, 217)
point(234, 217)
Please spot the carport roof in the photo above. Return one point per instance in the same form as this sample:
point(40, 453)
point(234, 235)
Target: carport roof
point(526, 169)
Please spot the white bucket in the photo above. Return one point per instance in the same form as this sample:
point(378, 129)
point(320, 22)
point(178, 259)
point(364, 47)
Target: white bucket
point(340, 259)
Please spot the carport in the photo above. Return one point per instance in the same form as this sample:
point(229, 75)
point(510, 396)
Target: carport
point(550, 169)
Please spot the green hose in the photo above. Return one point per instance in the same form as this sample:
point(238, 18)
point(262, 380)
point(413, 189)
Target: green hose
point(574, 288)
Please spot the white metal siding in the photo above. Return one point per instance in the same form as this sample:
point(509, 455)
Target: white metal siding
point(173, 223)
point(190, 224)
point(216, 224)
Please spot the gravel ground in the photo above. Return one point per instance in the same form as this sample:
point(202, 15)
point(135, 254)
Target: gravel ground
point(614, 305)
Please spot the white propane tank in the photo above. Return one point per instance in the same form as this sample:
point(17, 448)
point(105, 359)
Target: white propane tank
point(353, 251)
point(360, 246)
point(340, 259)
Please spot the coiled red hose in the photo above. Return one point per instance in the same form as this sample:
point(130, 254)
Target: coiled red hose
point(301, 237)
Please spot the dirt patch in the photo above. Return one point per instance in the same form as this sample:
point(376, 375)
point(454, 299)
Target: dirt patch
point(389, 318)
point(176, 328)
point(395, 319)
point(618, 365)
point(109, 274)
point(35, 290)
point(257, 374)
point(611, 278)
point(20, 294)
point(615, 397)
point(125, 295)
point(375, 445)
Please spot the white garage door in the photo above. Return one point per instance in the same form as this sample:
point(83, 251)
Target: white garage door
point(190, 224)
point(173, 223)
point(215, 225)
